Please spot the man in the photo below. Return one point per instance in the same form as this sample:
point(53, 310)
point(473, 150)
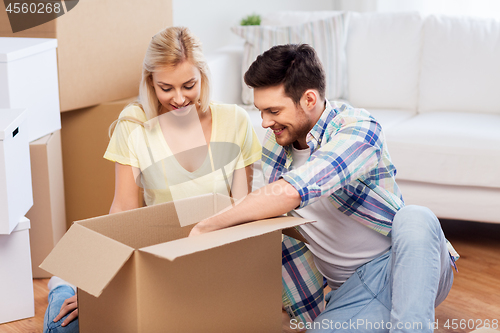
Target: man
point(388, 265)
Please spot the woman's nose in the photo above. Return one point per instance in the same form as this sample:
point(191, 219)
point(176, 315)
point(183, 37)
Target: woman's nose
point(179, 98)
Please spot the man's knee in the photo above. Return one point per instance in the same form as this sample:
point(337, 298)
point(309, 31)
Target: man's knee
point(418, 220)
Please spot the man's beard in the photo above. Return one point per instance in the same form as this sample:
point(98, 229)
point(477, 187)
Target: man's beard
point(299, 131)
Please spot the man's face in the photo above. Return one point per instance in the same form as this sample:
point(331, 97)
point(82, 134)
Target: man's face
point(289, 122)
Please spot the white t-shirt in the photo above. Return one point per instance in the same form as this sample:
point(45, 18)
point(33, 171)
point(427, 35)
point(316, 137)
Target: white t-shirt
point(339, 244)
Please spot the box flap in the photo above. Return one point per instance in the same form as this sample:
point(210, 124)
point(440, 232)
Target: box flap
point(294, 233)
point(23, 224)
point(185, 246)
point(16, 48)
point(87, 259)
point(43, 141)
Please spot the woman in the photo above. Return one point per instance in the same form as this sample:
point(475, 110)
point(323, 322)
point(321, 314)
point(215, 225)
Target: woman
point(172, 144)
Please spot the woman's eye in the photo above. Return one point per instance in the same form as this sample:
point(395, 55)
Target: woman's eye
point(166, 89)
point(190, 87)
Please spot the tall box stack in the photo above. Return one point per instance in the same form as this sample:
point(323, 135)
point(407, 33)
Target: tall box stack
point(16, 285)
point(29, 110)
point(28, 80)
point(100, 50)
point(16, 196)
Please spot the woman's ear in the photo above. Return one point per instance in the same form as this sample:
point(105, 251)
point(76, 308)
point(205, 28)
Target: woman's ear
point(149, 80)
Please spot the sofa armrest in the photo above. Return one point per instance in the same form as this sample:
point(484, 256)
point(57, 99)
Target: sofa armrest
point(226, 76)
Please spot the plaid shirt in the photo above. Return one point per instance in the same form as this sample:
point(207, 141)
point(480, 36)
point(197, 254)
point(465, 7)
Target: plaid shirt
point(351, 165)
point(349, 162)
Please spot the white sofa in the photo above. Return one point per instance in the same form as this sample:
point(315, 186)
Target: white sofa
point(433, 83)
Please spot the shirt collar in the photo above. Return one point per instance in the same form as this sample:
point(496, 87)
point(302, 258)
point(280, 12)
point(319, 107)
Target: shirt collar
point(315, 135)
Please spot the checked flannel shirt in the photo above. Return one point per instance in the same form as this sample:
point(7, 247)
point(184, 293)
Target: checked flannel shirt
point(351, 165)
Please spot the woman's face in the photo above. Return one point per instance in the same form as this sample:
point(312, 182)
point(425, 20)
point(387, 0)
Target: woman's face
point(177, 86)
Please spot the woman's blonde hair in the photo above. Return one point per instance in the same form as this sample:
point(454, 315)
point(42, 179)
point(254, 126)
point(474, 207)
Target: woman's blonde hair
point(171, 47)
point(167, 48)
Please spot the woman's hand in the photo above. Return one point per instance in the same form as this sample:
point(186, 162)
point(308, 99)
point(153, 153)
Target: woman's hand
point(69, 305)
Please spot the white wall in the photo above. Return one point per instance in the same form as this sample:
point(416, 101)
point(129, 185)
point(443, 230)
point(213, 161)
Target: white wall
point(211, 20)
point(483, 8)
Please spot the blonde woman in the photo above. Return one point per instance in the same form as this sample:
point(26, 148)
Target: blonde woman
point(172, 144)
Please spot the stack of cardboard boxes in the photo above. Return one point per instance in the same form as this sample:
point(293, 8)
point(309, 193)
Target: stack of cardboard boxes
point(101, 46)
point(87, 64)
point(29, 123)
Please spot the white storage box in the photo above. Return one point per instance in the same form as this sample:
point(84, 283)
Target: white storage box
point(16, 283)
point(16, 196)
point(28, 80)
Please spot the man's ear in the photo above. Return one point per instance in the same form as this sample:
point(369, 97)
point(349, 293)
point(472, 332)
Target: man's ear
point(309, 99)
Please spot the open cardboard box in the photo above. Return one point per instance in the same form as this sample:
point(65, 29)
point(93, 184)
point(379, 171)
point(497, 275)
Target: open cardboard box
point(137, 271)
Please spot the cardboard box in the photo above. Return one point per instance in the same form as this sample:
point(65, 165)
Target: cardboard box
point(101, 46)
point(28, 80)
point(89, 179)
point(16, 284)
point(138, 272)
point(48, 214)
point(16, 196)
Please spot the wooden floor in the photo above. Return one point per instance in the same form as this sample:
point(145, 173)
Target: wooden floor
point(473, 300)
point(475, 295)
point(35, 324)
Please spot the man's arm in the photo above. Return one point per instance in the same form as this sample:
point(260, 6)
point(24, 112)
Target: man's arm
point(269, 201)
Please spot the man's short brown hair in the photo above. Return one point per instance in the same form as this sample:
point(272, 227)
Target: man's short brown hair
point(296, 66)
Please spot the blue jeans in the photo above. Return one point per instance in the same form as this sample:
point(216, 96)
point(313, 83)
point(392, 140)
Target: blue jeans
point(57, 296)
point(398, 291)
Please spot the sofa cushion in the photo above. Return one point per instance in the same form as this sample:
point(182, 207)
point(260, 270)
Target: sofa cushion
point(390, 118)
point(452, 148)
point(383, 57)
point(460, 65)
point(326, 36)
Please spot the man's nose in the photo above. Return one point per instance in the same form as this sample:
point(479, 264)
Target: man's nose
point(266, 120)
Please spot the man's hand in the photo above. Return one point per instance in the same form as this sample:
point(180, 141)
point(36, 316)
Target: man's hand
point(199, 229)
point(70, 304)
point(272, 200)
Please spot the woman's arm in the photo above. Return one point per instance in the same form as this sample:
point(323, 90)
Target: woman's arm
point(126, 190)
point(242, 182)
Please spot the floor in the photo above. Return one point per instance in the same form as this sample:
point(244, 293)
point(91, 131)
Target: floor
point(473, 302)
point(474, 299)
